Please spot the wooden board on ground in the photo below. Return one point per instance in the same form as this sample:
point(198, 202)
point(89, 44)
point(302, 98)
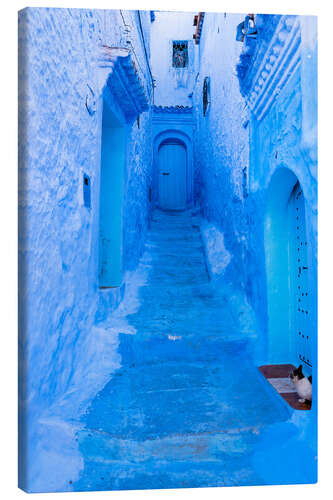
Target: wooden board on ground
point(278, 377)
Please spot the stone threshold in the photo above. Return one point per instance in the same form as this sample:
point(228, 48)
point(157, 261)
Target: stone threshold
point(278, 377)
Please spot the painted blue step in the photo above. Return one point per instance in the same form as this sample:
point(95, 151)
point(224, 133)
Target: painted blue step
point(169, 347)
point(187, 407)
point(232, 471)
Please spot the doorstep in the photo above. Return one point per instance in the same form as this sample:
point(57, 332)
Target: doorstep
point(278, 377)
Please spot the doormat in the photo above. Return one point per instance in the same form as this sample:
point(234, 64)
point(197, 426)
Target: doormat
point(278, 377)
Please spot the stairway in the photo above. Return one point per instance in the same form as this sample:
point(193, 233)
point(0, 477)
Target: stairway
point(187, 406)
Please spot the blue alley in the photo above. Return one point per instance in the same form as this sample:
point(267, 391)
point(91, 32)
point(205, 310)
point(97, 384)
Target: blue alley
point(187, 408)
point(167, 249)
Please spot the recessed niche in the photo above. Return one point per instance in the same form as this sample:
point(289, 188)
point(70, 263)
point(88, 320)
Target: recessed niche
point(86, 191)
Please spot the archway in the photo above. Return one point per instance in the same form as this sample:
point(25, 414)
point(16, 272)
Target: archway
point(173, 170)
point(289, 327)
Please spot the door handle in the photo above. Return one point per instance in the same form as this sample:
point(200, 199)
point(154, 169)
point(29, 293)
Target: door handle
point(165, 173)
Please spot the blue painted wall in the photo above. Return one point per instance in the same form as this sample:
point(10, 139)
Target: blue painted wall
point(238, 146)
point(283, 150)
point(257, 139)
point(221, 140)
point(173, 85)
point(59, 297)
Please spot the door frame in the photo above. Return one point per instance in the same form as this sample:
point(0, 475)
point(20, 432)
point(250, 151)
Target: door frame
point(174, 135)
point(112, 171)
point(176, 142)
point(281, 340)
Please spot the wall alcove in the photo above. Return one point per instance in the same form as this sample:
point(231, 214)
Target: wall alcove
point(111, 197)
point(123, 99)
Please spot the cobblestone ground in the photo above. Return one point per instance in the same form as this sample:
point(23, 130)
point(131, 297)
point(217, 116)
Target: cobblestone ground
point(187, 408)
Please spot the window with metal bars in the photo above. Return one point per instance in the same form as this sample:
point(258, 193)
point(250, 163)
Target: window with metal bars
point(180, 54)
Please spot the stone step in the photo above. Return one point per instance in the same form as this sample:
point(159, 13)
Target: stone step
point(156, 254)
point(176, 247)
point(175, 307)
point(203, 293)
point(232, 470)
point(203, 447)
point(181, 228)
point(159, 400)
point(173, 303)
point(174, 345)
point(199, 327)
point(182, 261)
point(172, 278)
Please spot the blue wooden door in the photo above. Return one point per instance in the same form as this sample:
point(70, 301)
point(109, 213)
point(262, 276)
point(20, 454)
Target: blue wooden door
point(300, 287)
point(172, 177)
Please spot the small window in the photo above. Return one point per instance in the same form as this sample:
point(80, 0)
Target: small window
point(180, 54)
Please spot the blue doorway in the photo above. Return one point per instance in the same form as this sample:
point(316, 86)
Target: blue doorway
point(111, 196)
point(287, 268)
point(172, 175)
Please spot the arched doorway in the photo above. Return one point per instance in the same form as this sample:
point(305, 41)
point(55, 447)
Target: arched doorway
point(172, 169)
point(286, 250)
point(181, 153)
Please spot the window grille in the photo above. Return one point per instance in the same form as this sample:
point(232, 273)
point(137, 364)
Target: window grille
point(180, 54)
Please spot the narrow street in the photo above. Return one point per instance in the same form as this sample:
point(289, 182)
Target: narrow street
point(187, 407)
point(167, 301)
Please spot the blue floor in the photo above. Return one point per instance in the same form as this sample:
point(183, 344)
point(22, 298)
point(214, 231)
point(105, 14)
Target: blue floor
point(187, 408)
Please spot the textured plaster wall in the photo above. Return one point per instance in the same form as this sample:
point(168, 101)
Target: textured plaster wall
point(66, 347)
point(285, 137)
point(173, 85)
point(275, 145)
point(236, 155)
point(59, 297)
point(221, 140)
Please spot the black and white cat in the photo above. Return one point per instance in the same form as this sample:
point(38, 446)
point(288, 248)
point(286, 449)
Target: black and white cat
point(303, 385)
